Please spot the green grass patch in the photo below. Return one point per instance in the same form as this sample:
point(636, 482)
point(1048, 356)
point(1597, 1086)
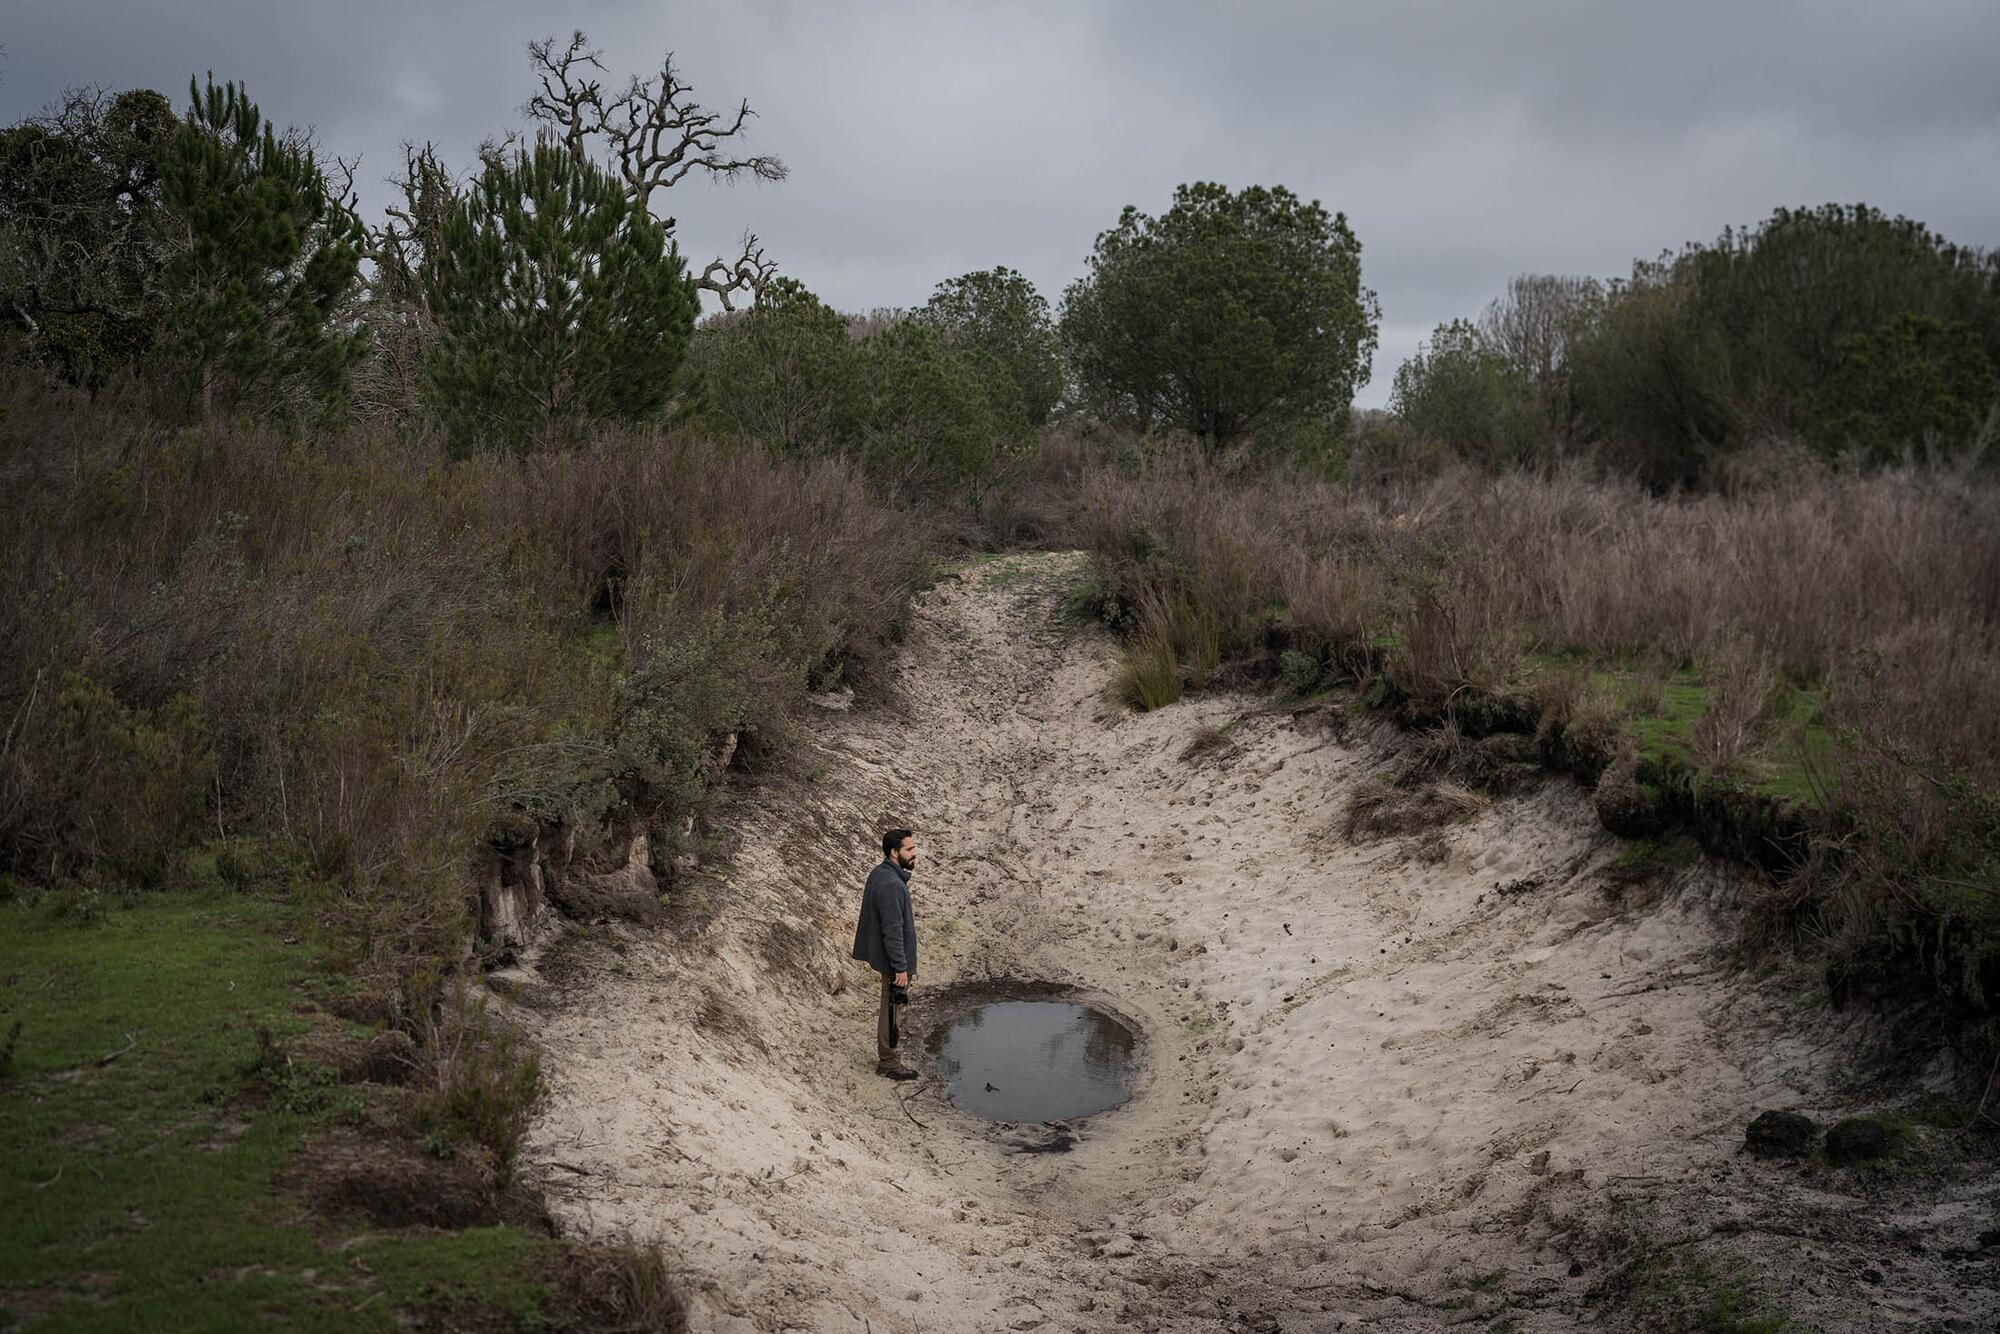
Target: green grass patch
point(1659, 713)
point(1684, 1293)
point(138, 1179)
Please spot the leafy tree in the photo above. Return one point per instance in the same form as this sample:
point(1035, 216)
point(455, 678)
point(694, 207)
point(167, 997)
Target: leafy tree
point(262, 252)
point(1910, 380)
point(999, 322)
point(1468, 396)
point(1706, 350)
point(79, 186)
point(926, 411)
point(1648, 375)
point(783, 372)
point(1228, 314)
point(557, 300)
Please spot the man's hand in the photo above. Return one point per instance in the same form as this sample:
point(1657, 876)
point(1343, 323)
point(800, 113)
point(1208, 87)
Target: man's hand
point(900, 980)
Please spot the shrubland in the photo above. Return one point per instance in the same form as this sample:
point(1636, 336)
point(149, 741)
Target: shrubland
point(1731, 556)
point(343, 560)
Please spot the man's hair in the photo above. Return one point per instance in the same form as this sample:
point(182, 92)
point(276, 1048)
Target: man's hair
point(893, 839)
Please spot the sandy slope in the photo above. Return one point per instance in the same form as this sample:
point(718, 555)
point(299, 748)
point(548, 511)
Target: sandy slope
point(1379, 1091)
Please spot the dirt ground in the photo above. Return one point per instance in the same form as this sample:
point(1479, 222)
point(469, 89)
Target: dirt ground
point(1447, 1079)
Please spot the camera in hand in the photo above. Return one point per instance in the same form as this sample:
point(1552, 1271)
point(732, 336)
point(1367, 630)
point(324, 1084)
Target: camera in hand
point(898, 995)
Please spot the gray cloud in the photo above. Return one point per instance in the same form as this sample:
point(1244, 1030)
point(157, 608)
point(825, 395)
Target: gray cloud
point(1466, 142)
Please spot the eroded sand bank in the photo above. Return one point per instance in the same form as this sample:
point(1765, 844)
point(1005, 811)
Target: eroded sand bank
point(1383, 1086)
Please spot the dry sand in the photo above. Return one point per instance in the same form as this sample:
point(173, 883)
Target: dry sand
point(1383, 1086)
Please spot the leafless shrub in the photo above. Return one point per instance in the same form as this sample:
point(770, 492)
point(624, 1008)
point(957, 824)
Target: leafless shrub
point(1739, 677)
point(478, 1080)
point(1879, 594)
point(1463, 632)
point(1383, 807)
point(362, 652)
point(1647, 693)
point(1207, 742)
point(622, 1287)
point(1341, 600)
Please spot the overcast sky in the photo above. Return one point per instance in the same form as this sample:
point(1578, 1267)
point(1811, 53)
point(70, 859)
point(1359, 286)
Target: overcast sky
point(1465, 142)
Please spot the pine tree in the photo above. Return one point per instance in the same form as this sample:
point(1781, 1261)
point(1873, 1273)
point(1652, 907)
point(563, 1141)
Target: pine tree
point(262, 255)
point(558, 303)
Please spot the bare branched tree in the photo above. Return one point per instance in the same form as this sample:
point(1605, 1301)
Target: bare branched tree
point(428, 192)
point(655, 135)
point(749, 273)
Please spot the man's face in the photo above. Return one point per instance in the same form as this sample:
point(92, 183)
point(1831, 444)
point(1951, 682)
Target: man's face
point(906, 855)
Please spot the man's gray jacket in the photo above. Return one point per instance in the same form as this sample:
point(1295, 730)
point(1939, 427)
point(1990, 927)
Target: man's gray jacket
point(886, 936)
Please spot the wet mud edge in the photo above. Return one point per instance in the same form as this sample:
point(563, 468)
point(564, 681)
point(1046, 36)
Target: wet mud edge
point(939, 1007)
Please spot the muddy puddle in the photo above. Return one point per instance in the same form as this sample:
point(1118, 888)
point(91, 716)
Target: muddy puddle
point(1034, 1060)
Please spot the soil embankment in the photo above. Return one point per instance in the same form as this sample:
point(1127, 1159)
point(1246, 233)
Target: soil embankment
point(1464, 1075)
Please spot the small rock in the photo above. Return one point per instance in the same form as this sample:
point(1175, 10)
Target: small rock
point(1858, 1139)
point(1776, 1134)
point(1576, 1269)
point(1871, 1275)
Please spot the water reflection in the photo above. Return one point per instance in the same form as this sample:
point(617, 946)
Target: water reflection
point(1034, 1060)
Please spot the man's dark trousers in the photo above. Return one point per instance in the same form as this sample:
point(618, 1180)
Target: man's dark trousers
point(885, 938)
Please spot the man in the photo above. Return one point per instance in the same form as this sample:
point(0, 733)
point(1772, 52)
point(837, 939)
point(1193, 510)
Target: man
point(886, 940)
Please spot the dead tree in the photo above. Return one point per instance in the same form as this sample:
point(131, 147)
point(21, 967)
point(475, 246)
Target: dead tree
point(655, 134)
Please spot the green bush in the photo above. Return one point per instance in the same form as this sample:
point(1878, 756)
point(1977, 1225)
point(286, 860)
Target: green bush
point(1784, 329)
point(479, 1084)
point(262, 254)
point(1147, 677)
point(1915, 379)
point(94, 787)
point(209, 252)
point(1299, 672)
point(784, 373)
point(79, 188)
point(1000, 324)
point(1469, 397)
point(926, 413)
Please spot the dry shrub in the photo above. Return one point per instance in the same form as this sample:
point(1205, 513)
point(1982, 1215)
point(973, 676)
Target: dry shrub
point(1339, 604)
point(366, 656)
point(620, 1288)
point(1189, 628)
point(394, 1183)
point(1647, 696)
point(1739, 678)
point(478, 1081)
point(1880, 593)
point(1207, 742)
point(1623, 807)
point(1577, 715)
point(1907, 892)
point(1463, 633)
point(1384, 807)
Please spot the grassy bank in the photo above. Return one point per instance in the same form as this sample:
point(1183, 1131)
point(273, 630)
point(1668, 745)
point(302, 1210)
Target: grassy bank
point(1807, 675)
point(272, 702)
point(149, 1131)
